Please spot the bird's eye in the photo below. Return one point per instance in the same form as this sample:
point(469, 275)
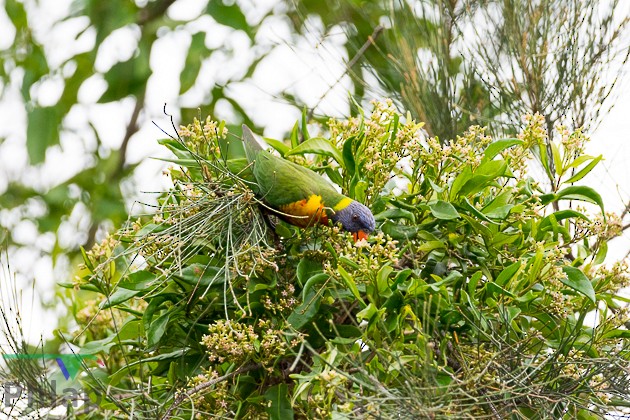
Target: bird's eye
point(355, 217)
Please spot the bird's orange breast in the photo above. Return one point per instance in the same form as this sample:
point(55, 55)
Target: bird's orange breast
point(305, 212)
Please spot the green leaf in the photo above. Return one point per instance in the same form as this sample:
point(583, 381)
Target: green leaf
point(35, 66)
point(499, 201)
point(125, 370)
point(431, 245)
point(305, 312)
point(42, 132)
point(438, 189)
point(394, 302)
point(493, 168)
point(197, 52)
point(578, 281)
point(467, 205)
point(557, 161)
point(581, 193)
point(476, 183)
point(382, 283)
point(359, 191)
point(318, 146)
point(494, 289)
point(616, 334)
point(349, 281)
point(347, 334)
point(395, 213)
point(86, 260)
point(558, 216)
point(483, 176)
point(98, 346)
point(128, 77)
point(312, 282)
point(278, 145)
point(601, 253)
point(473, 282)
point(138, 280)
point(295, 135)
point(157, 329)
point(131, 330)
point(231, 16)
point(584, 171)
point(119, 296)
point(498, 146)
point(368, 312)
point(398, 231)
point(280, 407)
point(304, 126)
point(443, 210)
point(201, 275)
point(464, 176)
point(334, 175)
point(544, 158)
point(15, 11)
point(499, 239)
point(506, 275)
point(307, 268)
point(348, 156)
point(500, 212)
point(579, 161)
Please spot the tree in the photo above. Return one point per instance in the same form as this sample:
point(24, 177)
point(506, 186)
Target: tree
point(466, 303)
point(472, 300)
point(90, 197)
point(462, 62)
point(456, 62)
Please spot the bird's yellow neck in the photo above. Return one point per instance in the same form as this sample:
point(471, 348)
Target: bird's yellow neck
point(342, 204)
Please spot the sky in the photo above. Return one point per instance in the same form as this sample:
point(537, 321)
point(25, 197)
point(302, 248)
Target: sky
point(309, 66)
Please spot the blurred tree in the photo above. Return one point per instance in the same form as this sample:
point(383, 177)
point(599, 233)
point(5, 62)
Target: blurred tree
point(26, 66)
point(458, 62)
point(558, 58)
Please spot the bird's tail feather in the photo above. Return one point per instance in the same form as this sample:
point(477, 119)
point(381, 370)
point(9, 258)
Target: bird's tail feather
point(253, 145)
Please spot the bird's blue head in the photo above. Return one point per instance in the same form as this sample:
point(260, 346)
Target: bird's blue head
point(356, 219)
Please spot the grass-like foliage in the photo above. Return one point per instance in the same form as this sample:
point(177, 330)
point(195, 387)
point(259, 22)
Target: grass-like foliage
point(470, 300)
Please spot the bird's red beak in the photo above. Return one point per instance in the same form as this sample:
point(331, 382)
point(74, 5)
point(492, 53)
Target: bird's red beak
point(360, 235)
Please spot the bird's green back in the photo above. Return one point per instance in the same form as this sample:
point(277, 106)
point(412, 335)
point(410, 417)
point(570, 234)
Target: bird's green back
point(283, 182)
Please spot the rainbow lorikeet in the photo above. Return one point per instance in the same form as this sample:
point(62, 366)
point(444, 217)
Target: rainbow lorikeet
point(302, 197)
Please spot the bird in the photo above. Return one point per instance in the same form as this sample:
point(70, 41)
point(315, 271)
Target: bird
point(302, 197)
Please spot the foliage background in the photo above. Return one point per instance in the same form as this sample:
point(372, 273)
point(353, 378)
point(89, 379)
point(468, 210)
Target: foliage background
point(471, 300)
point(81, 83)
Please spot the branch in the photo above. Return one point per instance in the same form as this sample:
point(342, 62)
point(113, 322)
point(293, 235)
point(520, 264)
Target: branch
point(145, 16)
point(132, 128)
point(152, 11)
point(184, 396)
point(625, 212)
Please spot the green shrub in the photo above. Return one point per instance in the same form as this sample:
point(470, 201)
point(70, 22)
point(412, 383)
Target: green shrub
point(470, 300)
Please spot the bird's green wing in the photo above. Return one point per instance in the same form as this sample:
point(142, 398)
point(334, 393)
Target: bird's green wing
point(252, 145)
point(282, 182)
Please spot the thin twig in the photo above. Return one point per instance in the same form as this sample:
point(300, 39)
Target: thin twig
point(370, 41)
point(188, 394)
